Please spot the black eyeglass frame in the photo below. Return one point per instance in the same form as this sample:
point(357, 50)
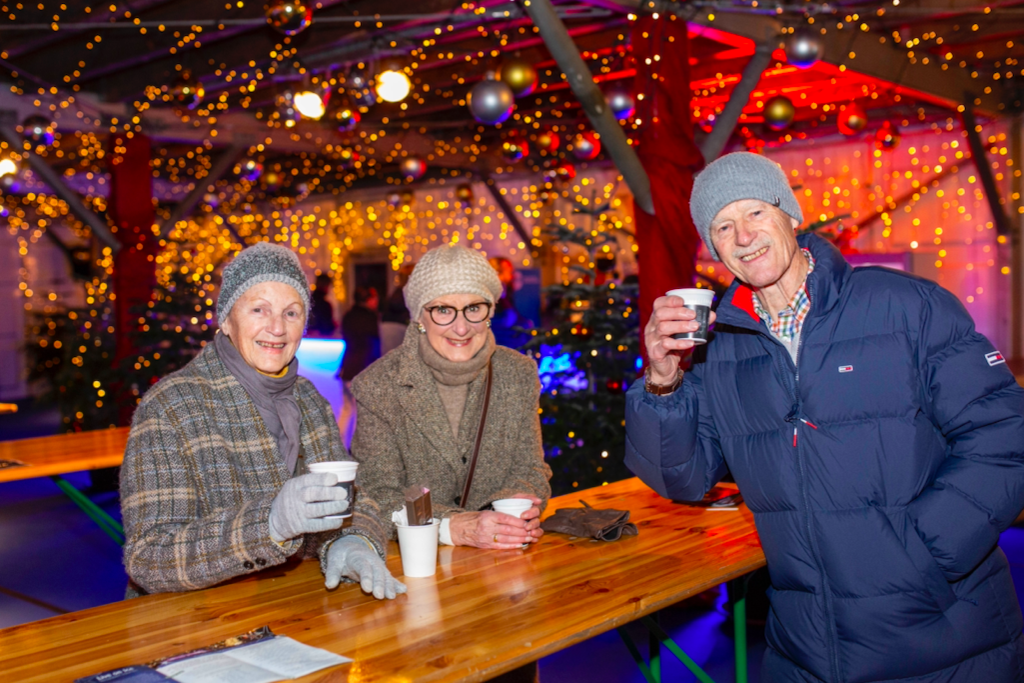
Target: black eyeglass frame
point(487, 313)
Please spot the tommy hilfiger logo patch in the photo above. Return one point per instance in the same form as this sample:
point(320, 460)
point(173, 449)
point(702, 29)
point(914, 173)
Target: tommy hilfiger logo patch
point(845, 368)
point(994, 358)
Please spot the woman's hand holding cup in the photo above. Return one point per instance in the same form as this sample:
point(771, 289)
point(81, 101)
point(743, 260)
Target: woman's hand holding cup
point(669, 317)
point(494, 530)
point(531, 515)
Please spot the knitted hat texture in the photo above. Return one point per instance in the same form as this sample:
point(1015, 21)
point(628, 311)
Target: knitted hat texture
point(736, 176)
point(262, 262)
point(448, 270)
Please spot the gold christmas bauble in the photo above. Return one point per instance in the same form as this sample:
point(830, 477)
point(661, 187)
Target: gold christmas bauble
point(518, 75)
point(779, 112)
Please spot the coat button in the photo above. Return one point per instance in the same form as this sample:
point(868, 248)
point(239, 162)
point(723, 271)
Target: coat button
point(261, 562)
point(247, 564)
point(463, 460)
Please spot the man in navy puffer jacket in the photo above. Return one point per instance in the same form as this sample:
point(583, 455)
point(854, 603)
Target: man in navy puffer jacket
point(877, 437)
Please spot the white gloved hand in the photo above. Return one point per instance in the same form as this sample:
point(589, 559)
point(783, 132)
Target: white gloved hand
point(303, 502)
point(352, 558)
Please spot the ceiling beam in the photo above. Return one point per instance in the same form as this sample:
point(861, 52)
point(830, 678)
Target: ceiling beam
point(873, 55)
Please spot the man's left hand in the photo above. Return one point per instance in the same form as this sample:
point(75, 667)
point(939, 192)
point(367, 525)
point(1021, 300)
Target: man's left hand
point(352, 558)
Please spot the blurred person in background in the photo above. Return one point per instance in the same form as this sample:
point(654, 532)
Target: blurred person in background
point(361, 331)
point(395, 319)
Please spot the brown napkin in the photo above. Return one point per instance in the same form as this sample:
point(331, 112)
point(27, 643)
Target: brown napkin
point(588, 522)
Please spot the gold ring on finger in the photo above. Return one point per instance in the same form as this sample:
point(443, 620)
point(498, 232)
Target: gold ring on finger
point(495, 538)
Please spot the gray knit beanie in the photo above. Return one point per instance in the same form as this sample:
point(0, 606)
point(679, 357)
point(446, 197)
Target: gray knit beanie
point(450, 269)
point(736, 176)
point(262, 262)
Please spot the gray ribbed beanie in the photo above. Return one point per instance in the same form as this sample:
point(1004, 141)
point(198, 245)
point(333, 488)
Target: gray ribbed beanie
point(262, 262)
point(736, 176)
point(450, 269)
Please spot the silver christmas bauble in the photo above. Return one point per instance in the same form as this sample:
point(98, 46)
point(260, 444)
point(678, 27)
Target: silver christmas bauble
point(804, 47)
point(491, 102)
point(621, 102)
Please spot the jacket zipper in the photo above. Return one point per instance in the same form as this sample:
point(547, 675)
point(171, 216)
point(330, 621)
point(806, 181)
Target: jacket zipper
point(825, 588)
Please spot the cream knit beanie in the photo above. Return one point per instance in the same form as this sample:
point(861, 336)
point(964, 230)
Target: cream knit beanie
point(450, 269)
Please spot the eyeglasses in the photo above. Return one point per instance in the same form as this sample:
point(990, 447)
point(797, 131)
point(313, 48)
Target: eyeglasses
point(473, 313)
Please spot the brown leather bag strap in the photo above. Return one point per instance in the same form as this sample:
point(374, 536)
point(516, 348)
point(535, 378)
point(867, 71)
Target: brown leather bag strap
point(479, 437)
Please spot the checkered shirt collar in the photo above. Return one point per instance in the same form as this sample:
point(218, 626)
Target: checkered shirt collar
point(791, 318)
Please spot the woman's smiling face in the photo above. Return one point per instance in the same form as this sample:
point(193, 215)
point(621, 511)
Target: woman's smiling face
point(459, 340)
point(266, 325)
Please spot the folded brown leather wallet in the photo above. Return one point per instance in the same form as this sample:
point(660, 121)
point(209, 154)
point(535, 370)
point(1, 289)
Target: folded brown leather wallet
point(588, 522)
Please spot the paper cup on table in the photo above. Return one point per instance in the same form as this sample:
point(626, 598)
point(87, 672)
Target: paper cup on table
point(418, 546)
point(699, 301)
point(512, 506)
point(345, 470)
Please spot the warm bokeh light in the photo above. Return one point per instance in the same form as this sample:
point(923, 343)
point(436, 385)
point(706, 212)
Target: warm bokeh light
point(393, 86)
point(7, 167)
point(310, 105)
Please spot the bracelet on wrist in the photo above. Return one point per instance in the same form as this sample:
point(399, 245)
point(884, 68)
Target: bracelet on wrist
point(662, 389)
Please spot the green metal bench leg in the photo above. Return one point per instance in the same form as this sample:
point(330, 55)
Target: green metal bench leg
point(110, 526)
point(738, 596)
point(637, 657)
point(654, 647)
point(667, 641)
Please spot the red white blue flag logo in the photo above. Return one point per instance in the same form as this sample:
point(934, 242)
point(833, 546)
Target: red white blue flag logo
point(994, 358)
point(845, 368)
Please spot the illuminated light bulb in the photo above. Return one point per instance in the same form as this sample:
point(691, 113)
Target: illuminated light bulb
point(309, 104)
point(7, 167)
point(393, 86)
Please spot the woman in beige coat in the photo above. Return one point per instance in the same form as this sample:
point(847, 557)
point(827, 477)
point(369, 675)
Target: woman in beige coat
point(419, 409)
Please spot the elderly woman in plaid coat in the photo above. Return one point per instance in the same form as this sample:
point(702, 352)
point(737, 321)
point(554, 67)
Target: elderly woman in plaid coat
point(215, 482)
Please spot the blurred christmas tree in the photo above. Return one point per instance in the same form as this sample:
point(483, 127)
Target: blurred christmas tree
point(176, 323)
point(71, 351)
point(587, 357)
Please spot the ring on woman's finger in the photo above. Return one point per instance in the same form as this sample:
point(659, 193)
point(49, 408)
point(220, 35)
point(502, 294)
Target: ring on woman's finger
point(495, 538)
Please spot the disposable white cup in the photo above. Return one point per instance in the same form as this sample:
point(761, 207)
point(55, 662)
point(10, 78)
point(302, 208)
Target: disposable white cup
point(345, 470)
point(418, 546)
point(512, 506)
point(699, 301)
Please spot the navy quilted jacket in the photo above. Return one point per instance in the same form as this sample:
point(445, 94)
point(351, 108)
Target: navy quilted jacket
point(880, 468)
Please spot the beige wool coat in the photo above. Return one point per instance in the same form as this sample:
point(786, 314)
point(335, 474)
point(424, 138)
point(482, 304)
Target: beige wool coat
point(200, 473)
point(403, 436)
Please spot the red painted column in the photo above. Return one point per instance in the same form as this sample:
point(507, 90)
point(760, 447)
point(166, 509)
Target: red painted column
point(130, 209)
point(667, 242)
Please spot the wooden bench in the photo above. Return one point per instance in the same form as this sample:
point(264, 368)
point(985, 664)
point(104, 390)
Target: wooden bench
point(485, 612)
point(54, 456)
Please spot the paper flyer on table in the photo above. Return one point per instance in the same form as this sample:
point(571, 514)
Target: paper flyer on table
point(258, 656)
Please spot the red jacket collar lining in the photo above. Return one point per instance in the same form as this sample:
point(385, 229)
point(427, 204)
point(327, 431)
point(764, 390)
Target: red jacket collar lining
point(743, 299)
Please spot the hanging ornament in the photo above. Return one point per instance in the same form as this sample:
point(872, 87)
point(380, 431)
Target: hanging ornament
point(413, 168)
point(491, 101)
point(621, 102)
point(302, 191)
point(519, 75)
point(211, 200)
point(272, 181)
point(804, 47)
point(464, 193)
point(852, 119)
point(779, 112)
point(394, 199)
point(514, 148)
point(586, 145)
point(888, 136)
point(249, 170)
point(348, 157)
point(187, 91)
point(288, 16)
point(548, 141)
point(562, 172)
point(546, 196)
point(38, 130)
point(286, 111)
point(346, 119)
point(361, 89)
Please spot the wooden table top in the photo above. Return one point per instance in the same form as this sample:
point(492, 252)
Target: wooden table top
point(47, 455)
point(485, 611)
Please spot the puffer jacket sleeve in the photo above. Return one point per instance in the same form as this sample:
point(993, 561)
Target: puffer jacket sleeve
point(978, 407)
point(670, 443)
point(170, 544)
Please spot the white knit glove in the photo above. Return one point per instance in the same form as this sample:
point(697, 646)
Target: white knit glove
point(353, 558)
point(303, 502)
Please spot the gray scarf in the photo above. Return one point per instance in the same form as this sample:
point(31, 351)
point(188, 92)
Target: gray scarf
point(453, 378)
point(272, 396)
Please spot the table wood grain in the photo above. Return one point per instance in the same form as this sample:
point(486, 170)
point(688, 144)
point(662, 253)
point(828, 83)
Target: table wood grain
point(47, 455)
point(485, 612)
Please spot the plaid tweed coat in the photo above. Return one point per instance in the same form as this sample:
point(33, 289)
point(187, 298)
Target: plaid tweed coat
point(403, 436)
point(200, 473)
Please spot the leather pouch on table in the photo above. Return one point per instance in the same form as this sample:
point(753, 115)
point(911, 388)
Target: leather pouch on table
point(588, 522)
